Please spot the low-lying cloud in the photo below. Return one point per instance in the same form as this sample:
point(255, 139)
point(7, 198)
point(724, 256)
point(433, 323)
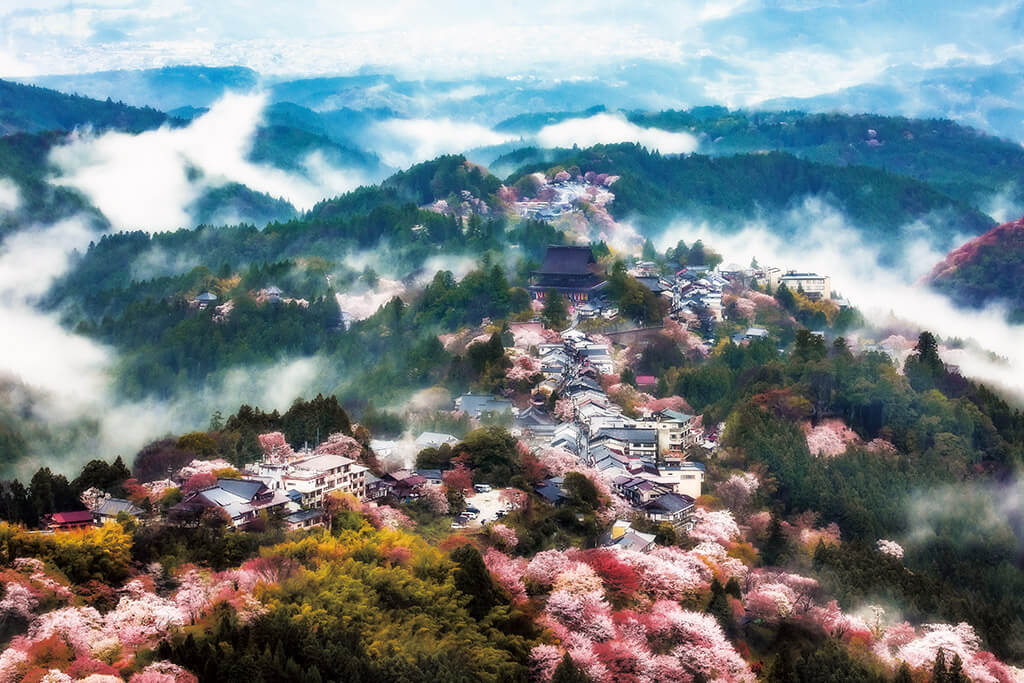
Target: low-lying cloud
point(148, 181)
point(10, 198)
point(403, 142)
point(825, 242)
point(607, 128)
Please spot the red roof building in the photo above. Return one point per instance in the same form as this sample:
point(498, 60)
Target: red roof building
point(64, 521)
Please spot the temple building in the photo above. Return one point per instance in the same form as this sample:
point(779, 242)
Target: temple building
point(572, 271)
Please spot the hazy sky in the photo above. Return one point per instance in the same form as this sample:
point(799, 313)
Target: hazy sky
point(750, 49)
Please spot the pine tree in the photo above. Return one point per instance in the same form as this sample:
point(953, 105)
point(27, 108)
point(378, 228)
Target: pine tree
point(555, 314)
point(956, 671)
point(568, 672)
point(903, 675)
point(939, 672)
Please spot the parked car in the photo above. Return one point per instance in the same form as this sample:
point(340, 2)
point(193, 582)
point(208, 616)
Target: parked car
point(470, 508)
point(459, 523)
point(482, 488)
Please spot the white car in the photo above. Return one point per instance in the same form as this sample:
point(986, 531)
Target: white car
point(482, 488)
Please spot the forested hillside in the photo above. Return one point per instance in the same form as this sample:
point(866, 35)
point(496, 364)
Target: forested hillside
point(31, 109)
point(987, 270)
point(658, 188)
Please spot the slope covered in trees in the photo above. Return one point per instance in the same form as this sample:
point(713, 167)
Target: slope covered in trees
point(31, 109)
point(731, 189)
point(988, 269)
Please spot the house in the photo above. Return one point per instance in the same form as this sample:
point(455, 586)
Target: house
point(568, 270)
point(655, 284)
point(669, 507)
point(638, 442)
point(376, 487)
point(552, 491)
point(476, 405)
point(434, 440)
point(304, 519)
point(623, 535)
point(431, 476)
point(204, 300)
point(535, 421)
point(638, 490)
point(404, 485)
point(66, 521)
point(813, 286)
point(111, 507)
point(756, 333)
point(240, 500)
point(684, 478)
point(768, 278)
point(383, 448)
point(644, 382)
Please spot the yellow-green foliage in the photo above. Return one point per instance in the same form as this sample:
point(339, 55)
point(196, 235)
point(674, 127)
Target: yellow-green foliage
point(391, 592)
point(102, 553)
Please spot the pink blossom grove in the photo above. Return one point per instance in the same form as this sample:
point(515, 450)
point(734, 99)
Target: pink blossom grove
point(717, 526)
point(340, 444)
point(504, 536)
point(508, 572)
point(274, 444)
point(436, 498)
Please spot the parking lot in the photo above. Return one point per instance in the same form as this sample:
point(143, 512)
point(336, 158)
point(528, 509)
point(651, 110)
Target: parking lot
point(489, 505)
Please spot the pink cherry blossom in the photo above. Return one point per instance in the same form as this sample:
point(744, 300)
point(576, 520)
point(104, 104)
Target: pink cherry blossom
point(558, 461)
point(385, 516)
point(890, 548)
point(13, 663)
point(829, 438)
point(717, 526)
point(525, 369)
point(578, 578)
point(565, 410)
point(544, 660)
point(274, 444)
point(436, 498)
point(507, 572)
point(545, 566)
point(163, 672)
point(505, 536)
point(340, 444)
point(18, 601)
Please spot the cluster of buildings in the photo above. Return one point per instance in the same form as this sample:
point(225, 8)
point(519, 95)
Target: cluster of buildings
point(644, 458)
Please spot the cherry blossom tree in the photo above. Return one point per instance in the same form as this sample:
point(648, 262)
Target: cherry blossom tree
point(545, 566)
point(18, 602)
point(436, 498)
point(737, 491)
point(198, 482)
point(890, 548)
point(558, 461)
point(507, 572)
point(565, 410)
point(524, 372)
point(385, 516)
point(458, 479)
point(340, 444)
point(504, 536)
point(275, 445)
point(578, 578)
point(717, 526)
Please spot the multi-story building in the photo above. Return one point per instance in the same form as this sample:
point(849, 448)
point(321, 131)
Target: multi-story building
point(314, 476)
point(814, 286)
point(676, 431)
